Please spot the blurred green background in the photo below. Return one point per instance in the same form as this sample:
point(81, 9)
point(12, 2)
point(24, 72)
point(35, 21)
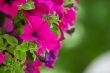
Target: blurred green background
point(91, 38)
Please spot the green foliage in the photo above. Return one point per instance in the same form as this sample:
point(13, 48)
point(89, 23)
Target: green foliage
point(20, 54)
point(19, 22)
point(29, 6)
point(53, 19)
point(10, 49)
point(69, 1)
point(54, 28)
point(21, 50)
point(11, 65)
point(10, 39)
point(33, 48)
point(15, 65)
point(20, 17)
point(23, 47)
point(1, 43)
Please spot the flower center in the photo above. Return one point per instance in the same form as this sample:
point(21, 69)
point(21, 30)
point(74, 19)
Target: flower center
point(35, 34)
point(9, 1)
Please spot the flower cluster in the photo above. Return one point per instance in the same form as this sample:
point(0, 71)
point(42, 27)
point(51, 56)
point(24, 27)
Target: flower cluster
point(31, 33)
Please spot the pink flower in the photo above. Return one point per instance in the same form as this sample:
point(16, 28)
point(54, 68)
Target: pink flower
point(40, 32)
point(33, 67)
point(2, 58)
point(10, 7)
point(67, 19)
point(69, 16)
point(50, 59)
point(42, 7)
point(8, 25)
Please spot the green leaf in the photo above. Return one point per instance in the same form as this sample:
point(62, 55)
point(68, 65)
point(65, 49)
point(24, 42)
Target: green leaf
point(54, 29)
point(29, 5)
point(10, 49)
point(19, 18)
point(1, 43)
point(22, 48)
point(20, 51)
point(11, 65)
point(20, 55)
point(54, 19)
point(33, 46)
point(69, 2)
point(1, 40)
point(10, 40)
point(33, 54)
point(20, 7)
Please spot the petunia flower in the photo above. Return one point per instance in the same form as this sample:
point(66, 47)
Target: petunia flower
point(42, 7)
point(33, 67)
point(10, 7)
point(50, 59)
point(69, 16)
point(8, 25)
point(40, 32)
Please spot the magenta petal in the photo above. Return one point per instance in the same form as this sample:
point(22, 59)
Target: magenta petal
point(70, 16)
point(63, 26)
point(1, 1)
point(2, 58)
point(5, 8)
point(41, 51)
point(42, 47)
point(62, 34)
point(44, 29)
point(9, 9)
point(14, 10)
point(28, 30)
point(27, 37)
point(8, 25)
point(58, 2)
point(42, 8)
point(51, 44)
point(35, 22)
point(33, 67)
